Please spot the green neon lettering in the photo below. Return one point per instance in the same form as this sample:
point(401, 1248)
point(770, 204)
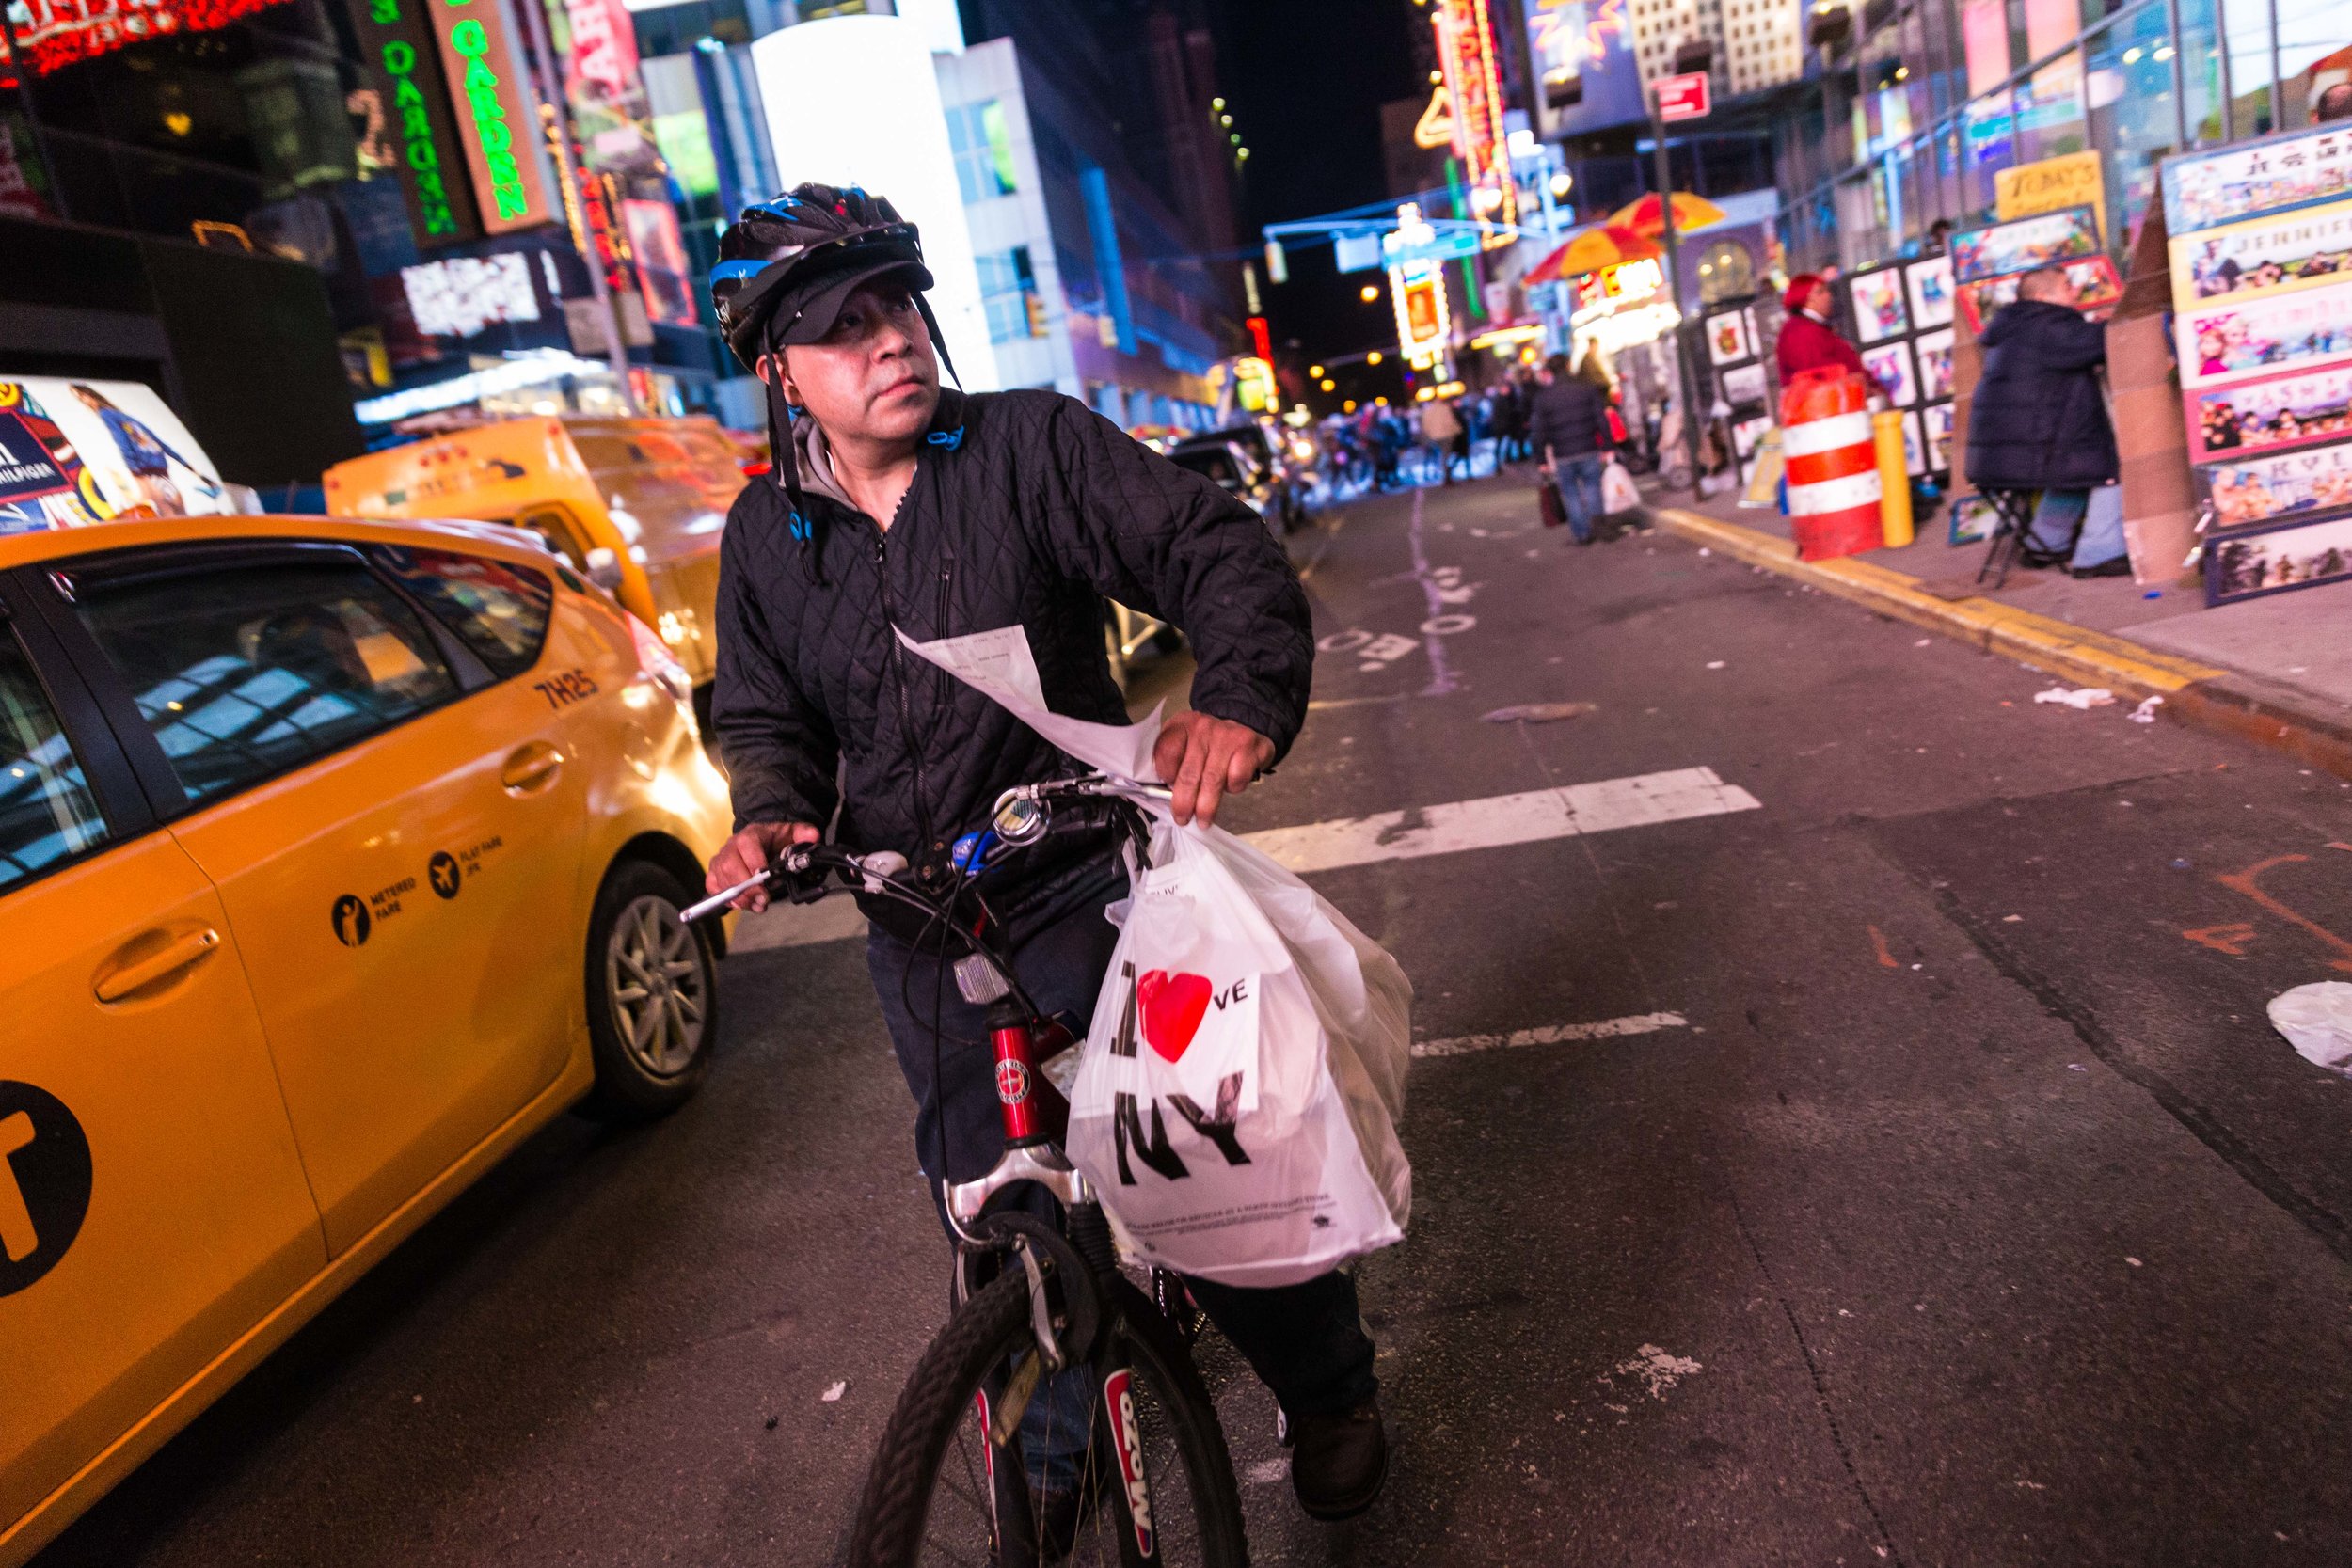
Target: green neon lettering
point(400, 58)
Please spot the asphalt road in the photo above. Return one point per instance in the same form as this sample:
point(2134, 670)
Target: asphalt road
point(1975, 1215)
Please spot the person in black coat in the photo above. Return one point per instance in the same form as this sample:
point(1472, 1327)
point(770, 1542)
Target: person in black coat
point(2038, 422)
point(1568, 427)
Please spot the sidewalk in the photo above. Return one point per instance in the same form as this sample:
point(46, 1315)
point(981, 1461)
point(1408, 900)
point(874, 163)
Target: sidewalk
point(2277, 671)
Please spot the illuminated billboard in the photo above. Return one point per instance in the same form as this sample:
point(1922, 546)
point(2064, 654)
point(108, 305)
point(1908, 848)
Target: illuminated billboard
point(1584, 54)
point(854, 100)
point(1466, 49)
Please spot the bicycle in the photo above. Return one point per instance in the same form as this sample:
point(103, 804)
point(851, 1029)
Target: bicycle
point(951, 1480)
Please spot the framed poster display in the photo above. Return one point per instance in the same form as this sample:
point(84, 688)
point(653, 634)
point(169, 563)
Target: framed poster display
point(1936, 420)
point(2292, 169)
point(2025, 245)
point(2277, 254)
point(1746, 384)
point(2272, 559)
point(1879, 313)
point(1728, 339)
point(2272, 413)
point(1973, 520)
point(2096, 283)
point(1929, 283)
point(2281, 332)
point(1888, 365)
point(1933, 352)
point(1915, 446)
point(1746, 433)
point(2244, 491)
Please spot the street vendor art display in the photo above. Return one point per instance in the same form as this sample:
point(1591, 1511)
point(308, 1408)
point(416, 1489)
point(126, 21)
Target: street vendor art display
point(81, 452)
point(1879, 313)
point(1933, 350)
point(1730, 339)
point(1888, 366)
point(1936, 420)
point(1915, 445)
point(2295, 409)
point(2286, 485)
point(2025, 244)
point(2280, 333)
point(2295, 169)
point(2095, 283)
point(2261, 251)
point(1744, 384)
point(1929, 283)
point(2283, 556)
point(2273, 255)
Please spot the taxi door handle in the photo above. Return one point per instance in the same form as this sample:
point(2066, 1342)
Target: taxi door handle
point(119, 979)
point(529, 768)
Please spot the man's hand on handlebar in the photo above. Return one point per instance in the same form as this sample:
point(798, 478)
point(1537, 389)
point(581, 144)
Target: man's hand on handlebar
point(1204, 759)
point(751, 852)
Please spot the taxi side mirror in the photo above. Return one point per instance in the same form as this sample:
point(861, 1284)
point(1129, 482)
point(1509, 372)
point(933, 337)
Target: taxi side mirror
point(604, 568)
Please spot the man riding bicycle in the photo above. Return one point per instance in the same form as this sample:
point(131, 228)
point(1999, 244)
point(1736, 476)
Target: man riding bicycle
point(896, 506)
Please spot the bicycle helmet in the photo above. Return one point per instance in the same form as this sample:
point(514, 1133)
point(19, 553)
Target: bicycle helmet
point(787, 266)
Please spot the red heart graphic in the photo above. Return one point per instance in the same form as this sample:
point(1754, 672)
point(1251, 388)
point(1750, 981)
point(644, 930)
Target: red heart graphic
point(1173, 1005)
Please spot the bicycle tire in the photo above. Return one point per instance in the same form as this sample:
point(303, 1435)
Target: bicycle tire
point(894, 1516)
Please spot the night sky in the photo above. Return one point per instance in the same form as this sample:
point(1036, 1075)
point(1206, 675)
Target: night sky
point(1305, 80)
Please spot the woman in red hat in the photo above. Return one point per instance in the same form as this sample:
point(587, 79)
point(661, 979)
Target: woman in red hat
point(1807, 341)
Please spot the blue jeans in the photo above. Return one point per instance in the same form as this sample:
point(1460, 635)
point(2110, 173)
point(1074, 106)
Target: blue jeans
point(1578, 479)
point(2067, 517)
point(1306, 1341)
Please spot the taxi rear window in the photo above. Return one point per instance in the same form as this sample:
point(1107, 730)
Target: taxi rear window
point(497, 609)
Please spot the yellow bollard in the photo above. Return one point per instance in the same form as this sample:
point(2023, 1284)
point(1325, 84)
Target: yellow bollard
point(1886, 431)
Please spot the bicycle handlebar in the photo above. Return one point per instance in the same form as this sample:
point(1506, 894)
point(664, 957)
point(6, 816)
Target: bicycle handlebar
point(1022, 816)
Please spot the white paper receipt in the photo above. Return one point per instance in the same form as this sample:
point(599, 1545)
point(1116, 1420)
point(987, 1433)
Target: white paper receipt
point(1000, 665)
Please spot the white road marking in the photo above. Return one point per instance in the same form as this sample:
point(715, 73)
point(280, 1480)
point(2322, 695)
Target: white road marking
point(1495, 822)
point(1552, 1033)
point(1504, 819)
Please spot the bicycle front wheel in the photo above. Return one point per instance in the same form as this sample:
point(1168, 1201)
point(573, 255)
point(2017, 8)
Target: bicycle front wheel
point(939, 1484)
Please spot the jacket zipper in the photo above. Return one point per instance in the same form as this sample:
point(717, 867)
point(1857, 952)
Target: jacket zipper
point(906, 707)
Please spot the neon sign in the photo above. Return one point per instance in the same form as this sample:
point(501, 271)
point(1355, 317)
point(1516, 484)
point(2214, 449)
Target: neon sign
point(57, 33)
point(1466, 50)
point(394, 35)
point(1425, 322)
point(497, 120)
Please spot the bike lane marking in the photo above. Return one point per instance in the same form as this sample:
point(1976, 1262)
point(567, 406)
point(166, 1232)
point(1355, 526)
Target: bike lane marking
point(1532, 817)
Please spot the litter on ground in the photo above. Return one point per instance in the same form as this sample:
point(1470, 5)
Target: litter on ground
point(2082, 699)
point(2318, 1020)
point(1539, 713)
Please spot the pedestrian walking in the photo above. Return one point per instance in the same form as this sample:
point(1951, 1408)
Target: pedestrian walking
point(1807, 340)
point(1441, 429)
point(1568, 427)
point(2038, 422)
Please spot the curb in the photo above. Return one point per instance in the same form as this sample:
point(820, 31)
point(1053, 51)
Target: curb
point(2202, 696)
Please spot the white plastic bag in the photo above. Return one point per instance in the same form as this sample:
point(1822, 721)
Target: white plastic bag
point(1236, 1100)
point(2318, 1020)
point(1618, 492)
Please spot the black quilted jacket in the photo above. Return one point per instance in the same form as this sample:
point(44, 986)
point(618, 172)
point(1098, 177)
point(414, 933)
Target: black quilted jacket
point(1027, 508)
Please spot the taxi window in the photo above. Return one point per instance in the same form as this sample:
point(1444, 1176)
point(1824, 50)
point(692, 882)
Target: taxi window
point(244, 674)
point(47, 812)
point(499, 611)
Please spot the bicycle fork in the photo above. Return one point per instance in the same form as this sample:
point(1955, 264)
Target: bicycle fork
point(1035, 1116)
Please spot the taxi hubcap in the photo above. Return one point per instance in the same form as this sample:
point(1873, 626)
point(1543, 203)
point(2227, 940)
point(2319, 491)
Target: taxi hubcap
point(654, 973)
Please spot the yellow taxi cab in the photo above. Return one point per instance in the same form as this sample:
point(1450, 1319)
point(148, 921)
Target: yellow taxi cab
point(336, 858)
point(635, 506)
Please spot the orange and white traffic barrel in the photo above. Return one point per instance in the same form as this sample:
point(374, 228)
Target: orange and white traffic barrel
point(1834, 484)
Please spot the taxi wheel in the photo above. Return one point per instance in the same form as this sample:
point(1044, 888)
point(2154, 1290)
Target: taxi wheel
point(653, 996)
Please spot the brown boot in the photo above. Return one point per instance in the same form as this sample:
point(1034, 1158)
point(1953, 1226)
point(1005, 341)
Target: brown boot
point(1339, 1461)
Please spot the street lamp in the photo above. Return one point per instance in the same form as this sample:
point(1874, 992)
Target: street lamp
point(1369, 293)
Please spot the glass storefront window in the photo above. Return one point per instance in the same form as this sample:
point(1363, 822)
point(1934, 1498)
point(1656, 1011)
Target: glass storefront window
point(2201, 70)
point(2134, 118)
point(2050, 110)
